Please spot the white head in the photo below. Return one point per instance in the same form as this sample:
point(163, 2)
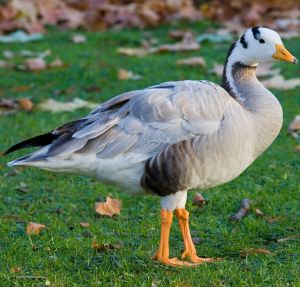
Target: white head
point(260, 45)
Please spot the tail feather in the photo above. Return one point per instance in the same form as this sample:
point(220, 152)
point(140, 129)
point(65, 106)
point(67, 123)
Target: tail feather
point(27, 160)
point(41, 140)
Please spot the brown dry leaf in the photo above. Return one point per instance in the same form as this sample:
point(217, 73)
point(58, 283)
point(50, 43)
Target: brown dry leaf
point(188, 43)
point(250, 251)
point(15, 269)
point(127, 75)
point(199, 200)
point(36, 64)
point(193, 61)
point(100, 247)
point(138, 52)
point(243, 211)
point(110, 207)
point(34, 228)
point(56, 107)
point(84, 224)
point(26, 104)
point(11, 106)
point(279, 82)
point(294, 127)
point(78, 39)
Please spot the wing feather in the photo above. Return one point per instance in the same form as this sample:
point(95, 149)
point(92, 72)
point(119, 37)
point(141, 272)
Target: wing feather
point(141, 123)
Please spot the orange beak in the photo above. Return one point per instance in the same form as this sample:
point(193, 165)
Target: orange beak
point(283, 54)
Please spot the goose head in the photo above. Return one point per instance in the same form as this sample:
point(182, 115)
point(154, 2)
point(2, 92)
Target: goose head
point(258, 45)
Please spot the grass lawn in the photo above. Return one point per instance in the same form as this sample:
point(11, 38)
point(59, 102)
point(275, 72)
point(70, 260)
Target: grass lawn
point(62, 252)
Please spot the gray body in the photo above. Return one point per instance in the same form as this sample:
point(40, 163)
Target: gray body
point(167, 138)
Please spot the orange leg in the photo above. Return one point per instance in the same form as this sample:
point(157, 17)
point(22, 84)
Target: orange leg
point(189, 247)
point(162, 254)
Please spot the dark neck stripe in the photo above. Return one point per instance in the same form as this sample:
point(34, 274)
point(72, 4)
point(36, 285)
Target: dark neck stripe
point(256, 33)
point(244, 42)
point(239, 71)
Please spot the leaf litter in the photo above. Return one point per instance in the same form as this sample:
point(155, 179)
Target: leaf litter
point(127, 75)
point(54, 106)
point(109, 208)
point(294, 127)
point(12, 106)
point(243, 211)
point(34, 228)
point(101, 247)
point(193, 61)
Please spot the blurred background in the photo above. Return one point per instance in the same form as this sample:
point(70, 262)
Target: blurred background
point(35, 15)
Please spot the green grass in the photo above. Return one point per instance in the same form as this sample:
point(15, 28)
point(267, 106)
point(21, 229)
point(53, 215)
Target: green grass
point(63, 252)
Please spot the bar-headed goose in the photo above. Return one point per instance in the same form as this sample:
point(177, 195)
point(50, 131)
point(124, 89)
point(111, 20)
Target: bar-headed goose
point(173, 137)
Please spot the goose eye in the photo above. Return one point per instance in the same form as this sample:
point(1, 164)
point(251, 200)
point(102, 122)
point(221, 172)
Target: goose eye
point(262, 41)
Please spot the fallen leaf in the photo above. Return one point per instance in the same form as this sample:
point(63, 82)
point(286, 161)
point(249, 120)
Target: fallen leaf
point(57, 63)
point(265, 69)
point(8, 54)
point(22, 187)
point(20, 37)
point(243, 211)
point(36, 64)
point(294, 127)
point(199, 200)
point(258, 212)
point(15, 269)
point(250, 251)
point(109, 208)
point(84, 224)
point(34, 228)
point(188, 43)
point(217, 69)
point(297, 148)
point(33, 54)
point(279, 82)
point(127, 75)
point(11, 106)
point(194, 61)
point(219, 37)
point(138, 52)
point(78, 39)
point(197, 240)
point(56, 107)
point(26, 104)
point(292, 237)
point(100, 247)
point(273, 219)
point(4, 64)
point(179, 34)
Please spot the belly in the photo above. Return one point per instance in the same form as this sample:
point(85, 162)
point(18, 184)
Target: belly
point(122, 172)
